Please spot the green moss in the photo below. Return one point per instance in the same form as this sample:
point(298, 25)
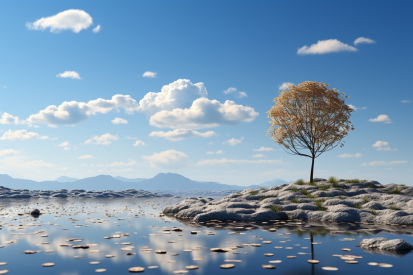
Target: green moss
point(253, 193)
point(395, 191)
point(300, 182)
point(366, 200)
point(324, 187)
point(275, 208)
point(295, 200)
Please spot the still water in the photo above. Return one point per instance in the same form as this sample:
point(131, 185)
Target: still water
point(138, 230)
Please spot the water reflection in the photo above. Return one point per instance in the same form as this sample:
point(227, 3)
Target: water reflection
point(147, 231)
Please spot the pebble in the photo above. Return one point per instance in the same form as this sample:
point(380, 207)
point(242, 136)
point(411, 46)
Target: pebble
point(227, 266)
point(329, 268)
point(268, 266)
point(136, 269)
point(48, 264)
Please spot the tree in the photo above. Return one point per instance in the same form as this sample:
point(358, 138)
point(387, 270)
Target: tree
point(311, 117)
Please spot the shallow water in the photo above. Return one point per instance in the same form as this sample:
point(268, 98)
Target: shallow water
point(140, 218)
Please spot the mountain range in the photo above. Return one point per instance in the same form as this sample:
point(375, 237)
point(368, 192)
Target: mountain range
point(162, 181)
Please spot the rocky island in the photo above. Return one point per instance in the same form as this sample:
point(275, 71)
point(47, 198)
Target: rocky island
point(333, 200)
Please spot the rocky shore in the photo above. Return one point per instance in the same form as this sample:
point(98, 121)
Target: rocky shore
point(8, 193)
point(197, 193)
point(340, 201)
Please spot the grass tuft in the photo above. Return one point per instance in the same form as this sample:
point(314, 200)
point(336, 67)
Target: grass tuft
point(324, 187)
point(310, 196)
point(358, 206)
point(332, 180)
point(300, 182)
point(293, 190)
point(371, 186)
point(373, 212)
point(395, 191)
point(295, 200)
point(393, 207)
point(275, 208)
point(366, 200)
point(402, 184)
point(304, 192)
point(319, 204)
point(263, 188)
point(253, 193)
point(341, 197)
point(312, 183)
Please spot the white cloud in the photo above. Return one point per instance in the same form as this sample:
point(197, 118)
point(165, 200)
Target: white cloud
point(361, 40)
point(263, 149)
point(380, 163)
point(383, 146)
point(85, 157)
point(21, 135)
point(259, 156)
point(219, 152)
point(233, 141)
point(131, 162)
point(237, 161)
point(326, 46)
point(406, 101)
point(381, 118)
point(66, 148)
point(129, 137)
point(119, 120)
point(358, 155)
point(356, 108)
point(64, 144)
point(139, 143)
point(238, 94)
point(285, 86)
point(75, 20)
point(178, 94)
point(149, 74)
point(169, 159)
point(69, 74)
point(39, 163)
point(7, 152)
point(179, 134)
point(73, 112)
point(105, 139)
point(204, 113)
point(97, 29)
point(7, 118)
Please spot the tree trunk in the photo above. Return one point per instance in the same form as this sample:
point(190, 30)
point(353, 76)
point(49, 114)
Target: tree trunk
point(312, 169)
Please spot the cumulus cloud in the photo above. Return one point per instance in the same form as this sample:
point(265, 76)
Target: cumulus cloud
point(358, 155)
point(139, 143)
point(73, 112)
point(7, 152)
point(356, 108)
point(69, 74)
point(21, 135)
point(326, 46)
point(204, 113)
point(85, 157)
point(39, 163)
point(180, 134)
point(285, 86)
point(259, 156)
point(169, 159)
point(64, 144)
point(263, 149)
point(75, 20)
point(105, 139)
point(238, 94)
point(381, 118)
point(406, 101)
point(118, 120)
point(383, 146)
point(237, 161)
point(97, 29)
point(131, 162)
point(233, 141)
point(361, 40)
point(387, 163)
point(178, 94)
point(219, 152)
point(7, 118)
point(149, 74)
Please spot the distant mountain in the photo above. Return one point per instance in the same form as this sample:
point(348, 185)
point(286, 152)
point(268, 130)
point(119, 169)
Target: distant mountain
point(162, 181)
point(129, 180)
point(65, 179)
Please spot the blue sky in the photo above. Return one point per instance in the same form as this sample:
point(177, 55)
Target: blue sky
point(59, 57)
